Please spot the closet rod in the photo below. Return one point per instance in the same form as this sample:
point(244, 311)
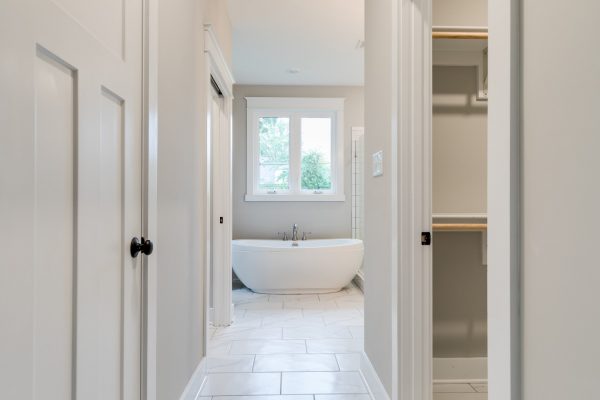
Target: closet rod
point(460, 35)
point(459, 227)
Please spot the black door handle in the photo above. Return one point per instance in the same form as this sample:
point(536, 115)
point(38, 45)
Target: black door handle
point(145, 246)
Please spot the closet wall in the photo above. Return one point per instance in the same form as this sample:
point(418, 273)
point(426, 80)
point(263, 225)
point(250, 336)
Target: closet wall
point(459, 187)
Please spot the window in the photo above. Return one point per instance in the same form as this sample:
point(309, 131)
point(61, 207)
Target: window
point(295, 149)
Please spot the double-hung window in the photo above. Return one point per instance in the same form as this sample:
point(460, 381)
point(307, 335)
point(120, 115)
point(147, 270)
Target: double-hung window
point(295, 149)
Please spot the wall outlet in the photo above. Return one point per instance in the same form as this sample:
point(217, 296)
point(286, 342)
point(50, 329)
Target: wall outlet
point(378, 163)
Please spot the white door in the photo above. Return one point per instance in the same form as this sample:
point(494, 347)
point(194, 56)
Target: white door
point(70, 198)
point(220, 203)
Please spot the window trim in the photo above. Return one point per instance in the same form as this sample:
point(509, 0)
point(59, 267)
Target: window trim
point(295, 108)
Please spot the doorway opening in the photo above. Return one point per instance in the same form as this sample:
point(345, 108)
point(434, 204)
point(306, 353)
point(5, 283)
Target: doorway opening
point(296, 314)
point(459, 210)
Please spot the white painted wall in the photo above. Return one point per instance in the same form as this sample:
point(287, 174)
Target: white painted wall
point(560, 199)
point(262, 220)
point(181, 128)
point(378, 127)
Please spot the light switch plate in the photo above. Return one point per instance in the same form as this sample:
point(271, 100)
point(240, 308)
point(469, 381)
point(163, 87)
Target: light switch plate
point(378, 163)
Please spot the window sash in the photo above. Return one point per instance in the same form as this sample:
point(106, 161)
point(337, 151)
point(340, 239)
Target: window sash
point(295, 114)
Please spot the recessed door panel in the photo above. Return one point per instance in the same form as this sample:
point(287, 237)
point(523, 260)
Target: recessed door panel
point(54, 227)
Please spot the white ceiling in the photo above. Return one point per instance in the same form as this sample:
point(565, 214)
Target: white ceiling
point(316, 37)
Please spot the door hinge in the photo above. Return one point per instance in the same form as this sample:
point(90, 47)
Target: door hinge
point(426, 238)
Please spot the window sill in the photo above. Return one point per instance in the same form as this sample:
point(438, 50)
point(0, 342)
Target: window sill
point(295, 197)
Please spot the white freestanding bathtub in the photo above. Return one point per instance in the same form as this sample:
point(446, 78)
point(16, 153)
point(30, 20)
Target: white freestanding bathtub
point(286, 267)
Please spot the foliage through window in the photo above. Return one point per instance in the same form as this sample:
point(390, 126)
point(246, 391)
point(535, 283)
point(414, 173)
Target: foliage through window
point(295, 149)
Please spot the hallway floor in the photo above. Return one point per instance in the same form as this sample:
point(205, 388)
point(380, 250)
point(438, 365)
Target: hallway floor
point(292, 347)
point(298, 347)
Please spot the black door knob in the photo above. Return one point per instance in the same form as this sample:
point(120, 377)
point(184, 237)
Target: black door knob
point(145, 247)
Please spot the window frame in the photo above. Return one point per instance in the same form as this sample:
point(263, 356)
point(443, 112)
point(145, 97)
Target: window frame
point(295, 108)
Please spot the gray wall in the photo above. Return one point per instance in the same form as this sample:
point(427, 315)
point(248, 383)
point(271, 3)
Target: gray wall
point(262, 220)
point(378, 128)
point(181, 126)
point(459, 142)
point(459, 186)
point(560, 199)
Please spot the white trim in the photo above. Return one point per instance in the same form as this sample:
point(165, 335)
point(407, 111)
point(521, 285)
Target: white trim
point(295, 108)
point(371, 379)
point(216, 67)
point(299, 197)
point(150, 199)
point(504, 320)
point(411, 148)
point(196, 382)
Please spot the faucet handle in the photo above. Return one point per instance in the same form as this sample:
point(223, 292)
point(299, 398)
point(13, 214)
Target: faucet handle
point(285, 236)
point(304, 237)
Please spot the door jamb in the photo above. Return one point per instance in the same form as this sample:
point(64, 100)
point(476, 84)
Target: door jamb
point(149, 199)
point(411, 151)
point(216, 67)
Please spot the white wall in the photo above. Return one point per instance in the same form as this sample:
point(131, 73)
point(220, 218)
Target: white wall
point(263, 220)
point(181, 128)
point(378, 128)
point(560, 199)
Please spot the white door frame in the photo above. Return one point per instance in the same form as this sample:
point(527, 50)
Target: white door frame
point(150, 198)
point(217, 68)
point(411, 180)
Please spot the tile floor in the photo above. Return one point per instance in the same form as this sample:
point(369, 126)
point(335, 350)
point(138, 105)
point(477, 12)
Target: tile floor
point(296, 347)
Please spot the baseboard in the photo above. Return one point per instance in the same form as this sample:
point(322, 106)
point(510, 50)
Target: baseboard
point(460, 370)
point(211, 315)
point(194, 385)
point(359, 280)
point(371, 379)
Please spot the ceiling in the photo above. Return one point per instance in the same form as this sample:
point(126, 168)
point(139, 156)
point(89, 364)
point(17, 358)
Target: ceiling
point(298, 42)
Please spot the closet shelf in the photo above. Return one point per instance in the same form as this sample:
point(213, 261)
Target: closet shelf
point(459, 227)
point(460, 35)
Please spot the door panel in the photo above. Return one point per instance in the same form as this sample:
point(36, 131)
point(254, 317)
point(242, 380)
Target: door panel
point(54, 225)
point(70, 198)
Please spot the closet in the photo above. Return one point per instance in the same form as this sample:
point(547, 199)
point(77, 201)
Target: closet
point(459, 201)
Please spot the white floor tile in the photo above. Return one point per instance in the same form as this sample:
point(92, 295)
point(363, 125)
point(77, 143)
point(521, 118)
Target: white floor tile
point(322, 383)
point(358, 332)
point(349, 362)
point(342, 397)
point(293, 298)
point(295, 362)
point(268, 347)
point(230, 363)
point(275, 397)
point(316, 305)
point(321, 346)
point(241, 333)
point(317, 333)
point(218, 347)
point(241, 384)
point(260, 305)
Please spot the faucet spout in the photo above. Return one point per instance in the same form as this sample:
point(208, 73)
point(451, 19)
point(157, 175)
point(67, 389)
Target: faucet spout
point(295, 232)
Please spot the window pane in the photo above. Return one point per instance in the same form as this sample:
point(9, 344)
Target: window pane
point(316, 153)
point(274, 158)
